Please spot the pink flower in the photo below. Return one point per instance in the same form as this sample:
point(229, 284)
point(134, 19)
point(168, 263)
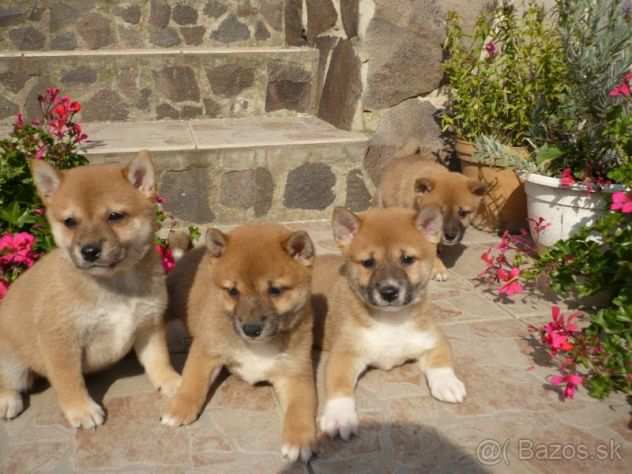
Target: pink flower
point(512, 284)
point(567, 177)
point(160, 199)
point(4, 287)
point(166, 256)
point(74, 107)
point(19, 121)
point(17, 249)
point(490, 49)
point(41, 152)
point(621, 202)
point(619, 90)
point(572, 381)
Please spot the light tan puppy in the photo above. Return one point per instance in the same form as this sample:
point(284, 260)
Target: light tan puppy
point(82, 307)
point(416, 180)
point(373, 310)
point(245, 300)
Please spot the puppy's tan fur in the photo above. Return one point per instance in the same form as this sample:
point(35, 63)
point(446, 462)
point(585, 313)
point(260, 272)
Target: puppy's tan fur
point(395, 247)
point(67, 316)
point(417, 180)
point(218, 290)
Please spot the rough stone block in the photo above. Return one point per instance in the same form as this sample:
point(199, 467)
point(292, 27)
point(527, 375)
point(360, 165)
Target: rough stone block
point(310, 186)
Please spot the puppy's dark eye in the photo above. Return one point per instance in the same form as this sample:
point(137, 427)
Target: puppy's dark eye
point(368, 263)
point(233, 291)
point(116, 216)
point(275, 291)
point(70, 222)
point(407, 259)
point(464, 212)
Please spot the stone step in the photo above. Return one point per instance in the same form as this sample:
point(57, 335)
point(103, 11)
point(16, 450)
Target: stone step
point(132, 85)
point(228, 171)
point(94, 24)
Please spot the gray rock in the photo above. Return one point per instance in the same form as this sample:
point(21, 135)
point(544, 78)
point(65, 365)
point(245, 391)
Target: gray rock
point(60, 12)
point(190, 112)
point(27, 38)
point(186, 194)
point(64, 41)
point(214, 8)
point(166, 111)
point(193, 35)
point(229, 80)
point(272, 11)
point(130, 14)
point(184, 15)
point(32, 108)
point(261, 32)
point(310, 186)
point(105, 105)
point(321, 16)
point(245, 9)
point(165, 38)
point(15, 78)
point(7, 108)
point(325, 45)
point(343, 87)
point(295, 33)
point(358, 197)
point(159, 13)
point(81, 75)
point(349, 10)
point(212, 108)
point(245, 189)
point(142, 102)
point(96, 30)
point(409, 126)
point(10, 16)
point(231, 30)
point(177, 83)
point(289, 87)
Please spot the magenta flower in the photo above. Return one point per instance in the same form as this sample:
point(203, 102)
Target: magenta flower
point(621, 202)
point(572, 381)
point(491, 49)
point(166, 256)
point(567, 177)
point(41, 152)
point(17, 249)
point(19, 121)
point(619, 90)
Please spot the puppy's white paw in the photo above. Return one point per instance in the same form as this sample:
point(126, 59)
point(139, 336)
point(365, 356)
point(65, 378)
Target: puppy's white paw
point(87, 415)
point(293, 453)
point(170, 386)
point(340, 417)
point(445, 386)
point(11, 405)
point(441, 275)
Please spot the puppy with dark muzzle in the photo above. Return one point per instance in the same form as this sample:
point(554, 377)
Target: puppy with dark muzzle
point(100, 293)
point(244, 299)
point(415, 181)
point(372, 307)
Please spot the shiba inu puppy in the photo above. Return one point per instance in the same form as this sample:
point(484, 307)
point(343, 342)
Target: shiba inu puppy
point(245, 300)
point(372, 307)
point(100, 293)
point(414, 181)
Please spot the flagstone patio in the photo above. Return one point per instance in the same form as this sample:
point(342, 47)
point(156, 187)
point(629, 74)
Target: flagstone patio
point(512, 420)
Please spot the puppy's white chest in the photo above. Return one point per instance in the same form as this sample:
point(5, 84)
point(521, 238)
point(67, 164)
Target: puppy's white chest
point(255, 366)
point(387, 345)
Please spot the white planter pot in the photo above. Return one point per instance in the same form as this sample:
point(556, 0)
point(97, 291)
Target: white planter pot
point(566, 208)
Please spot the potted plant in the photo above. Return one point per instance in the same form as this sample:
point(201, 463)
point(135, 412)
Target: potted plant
point(510, 66)
point(585, 144)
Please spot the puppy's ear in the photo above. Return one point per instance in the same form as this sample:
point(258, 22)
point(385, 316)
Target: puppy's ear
point(300, 247)
point(216, 242)
point(345, 225)
point(46, 178)
point(478, 188)
point(430, 222)
point(424, 185)
point(140, 172)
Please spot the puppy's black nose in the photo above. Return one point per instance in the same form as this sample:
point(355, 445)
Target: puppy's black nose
point(450, 235)
point(91, 252)
point(252, 329)
point(389, 293)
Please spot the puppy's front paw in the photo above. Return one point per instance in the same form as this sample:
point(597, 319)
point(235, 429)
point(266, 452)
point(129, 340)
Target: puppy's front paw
point(170, 385)
point(11, 405)
point(292, 450)
point(340, 417)
point(87, 414)
point(439, 271)
point(445, 386)
point(181, 412)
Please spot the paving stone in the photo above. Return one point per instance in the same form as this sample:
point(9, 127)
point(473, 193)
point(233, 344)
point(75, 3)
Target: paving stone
point(7, 108)
point(27, 38)
point(64, 41)
point(272, 11)
point(105, 105)
point(11, 16)
point(191, 112)
point(358, 196)
point(321, 15)
point(166, 111)
point(289, 87)
point(231, 30)
point(159, 13)
point(193, 35)
point(186, 194)
point(184, 15)
point(130, 14)
point(212, 108)
point(165, 38)
point(95, 30)
point(310, 187)
point(14, 78)
point(215, 8)
point(229, 80)
point(295, 33)
point(349, 11)
point(178, 83)
point(261, 32)
point(81, 75)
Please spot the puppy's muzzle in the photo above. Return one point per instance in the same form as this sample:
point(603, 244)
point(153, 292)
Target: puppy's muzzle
point(252, 330)
point(91, 252)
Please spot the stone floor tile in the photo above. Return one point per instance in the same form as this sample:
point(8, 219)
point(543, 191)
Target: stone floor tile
point(472, 306)
point(369, 440)
point(240, 463)
point(34, 457)
point(234, 393)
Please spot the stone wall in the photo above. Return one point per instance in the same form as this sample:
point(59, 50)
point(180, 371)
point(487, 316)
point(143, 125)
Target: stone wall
point(96, 24)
